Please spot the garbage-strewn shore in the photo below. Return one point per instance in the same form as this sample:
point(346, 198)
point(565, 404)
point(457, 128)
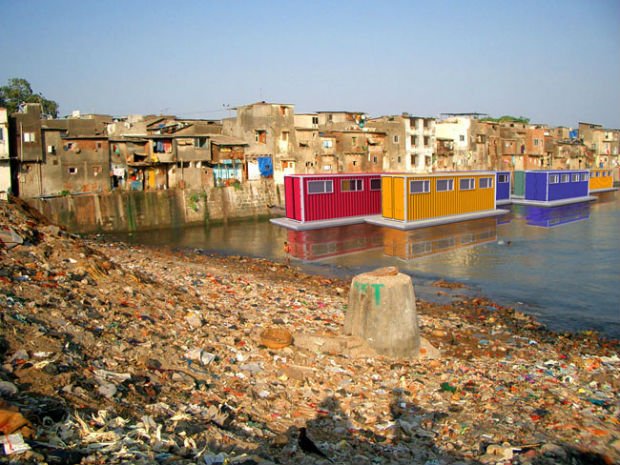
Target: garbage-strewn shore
point(123, 354)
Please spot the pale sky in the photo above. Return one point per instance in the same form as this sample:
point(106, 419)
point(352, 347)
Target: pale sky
point(555, 62)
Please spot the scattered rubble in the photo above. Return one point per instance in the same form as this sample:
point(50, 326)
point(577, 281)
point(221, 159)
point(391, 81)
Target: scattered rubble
point(122, 354)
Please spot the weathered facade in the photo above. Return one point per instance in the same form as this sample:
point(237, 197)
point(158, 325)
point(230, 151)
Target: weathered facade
point(535, 153)
point(409, 142)
point(308, 148)
point(457, 129)
point(5, 162)
point(513, 135)
point(356, 151)
point(341, 120)
point(444, 149)
point(60, 156)
point(269, 131)
point(603, 143)
point(165, 152)
point(485, 143)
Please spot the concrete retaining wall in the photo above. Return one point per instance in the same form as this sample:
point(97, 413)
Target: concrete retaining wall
point(124, 211)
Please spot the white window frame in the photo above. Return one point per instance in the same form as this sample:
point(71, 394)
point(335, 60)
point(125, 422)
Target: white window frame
point(565, 178)
point(72, 170)
point(503, 178)
point(425, 183)
point(489, 180)
point(574, 177)
point(554, 179)
point(449, 185)
point(396, 139)
point(29, 136)
point(328, 186)
point(328, 144)
point(351, 185)
point(470, 186)
point(584, 176)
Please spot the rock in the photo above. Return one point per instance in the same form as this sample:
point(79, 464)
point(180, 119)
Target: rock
point(194, 320)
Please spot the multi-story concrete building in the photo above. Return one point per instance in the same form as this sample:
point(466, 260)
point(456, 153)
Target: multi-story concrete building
point(5, 162)
point(308, 142)
point(444, 149)
point(57, 156)
point(457, 128)
point(354, 151)
point(409, 142)
point(341, 120)
point(603, 143)
point(535, 153)
point(513, 136)
point(269, 130)
point(328, 158)
point(485, 144)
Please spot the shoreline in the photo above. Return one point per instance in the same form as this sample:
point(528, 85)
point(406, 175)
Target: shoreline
point(153, 355)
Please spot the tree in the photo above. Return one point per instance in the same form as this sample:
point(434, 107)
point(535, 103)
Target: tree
point(507, 118)
point(18, 91)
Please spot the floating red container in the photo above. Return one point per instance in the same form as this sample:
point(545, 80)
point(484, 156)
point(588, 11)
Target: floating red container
point(313, 197)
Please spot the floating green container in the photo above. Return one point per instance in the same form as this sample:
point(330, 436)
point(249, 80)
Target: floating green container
point(519, 184)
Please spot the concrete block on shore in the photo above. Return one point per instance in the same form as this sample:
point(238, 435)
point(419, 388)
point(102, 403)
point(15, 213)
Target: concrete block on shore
point(382, 311)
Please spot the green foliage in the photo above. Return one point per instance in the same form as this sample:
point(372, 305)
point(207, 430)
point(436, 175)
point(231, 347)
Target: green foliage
point(507, 118)
point(18, 91)
point(194, 199)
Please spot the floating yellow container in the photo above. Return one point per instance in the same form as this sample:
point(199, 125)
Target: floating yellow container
point(601, 180)
point(412, 197)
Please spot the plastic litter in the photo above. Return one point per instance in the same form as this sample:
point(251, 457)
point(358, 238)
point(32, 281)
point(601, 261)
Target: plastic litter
point(114, 353)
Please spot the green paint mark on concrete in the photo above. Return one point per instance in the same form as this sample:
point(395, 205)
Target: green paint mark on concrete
point(377, 288)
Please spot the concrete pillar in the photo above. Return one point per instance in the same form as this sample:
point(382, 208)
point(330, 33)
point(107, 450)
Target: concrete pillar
point(382, 311)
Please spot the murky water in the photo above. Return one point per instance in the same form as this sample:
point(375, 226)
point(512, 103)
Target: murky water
point(560, 264)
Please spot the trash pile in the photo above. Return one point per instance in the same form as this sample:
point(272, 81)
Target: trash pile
point(128, 354)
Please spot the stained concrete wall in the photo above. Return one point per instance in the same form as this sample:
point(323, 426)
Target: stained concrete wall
point(123, 211)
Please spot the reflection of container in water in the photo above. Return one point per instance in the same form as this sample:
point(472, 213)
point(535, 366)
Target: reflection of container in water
point(555, 216)
point(437, 239)
point(331, 242)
